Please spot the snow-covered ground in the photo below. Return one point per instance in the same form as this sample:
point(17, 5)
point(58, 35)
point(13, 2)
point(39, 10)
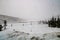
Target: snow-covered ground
point(34, 29)
point(20, 31)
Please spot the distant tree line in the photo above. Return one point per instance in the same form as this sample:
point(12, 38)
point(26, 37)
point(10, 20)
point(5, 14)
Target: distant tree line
point(54, 22)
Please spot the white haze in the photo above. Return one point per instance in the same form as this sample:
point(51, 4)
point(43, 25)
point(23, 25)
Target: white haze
point(30, 9)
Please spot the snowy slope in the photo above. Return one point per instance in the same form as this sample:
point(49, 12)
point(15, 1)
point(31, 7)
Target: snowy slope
point(34, 29)
point(18, 31)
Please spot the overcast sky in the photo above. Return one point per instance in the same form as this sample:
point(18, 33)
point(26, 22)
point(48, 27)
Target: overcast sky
point(30, 9)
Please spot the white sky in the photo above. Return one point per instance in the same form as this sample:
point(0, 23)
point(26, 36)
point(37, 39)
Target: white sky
point(30, 9)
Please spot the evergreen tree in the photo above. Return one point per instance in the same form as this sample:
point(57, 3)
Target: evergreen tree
point(5, 24)
point(58, 22)
point(52, 22)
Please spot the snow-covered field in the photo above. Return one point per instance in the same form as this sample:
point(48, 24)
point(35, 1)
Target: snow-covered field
point(20, 31)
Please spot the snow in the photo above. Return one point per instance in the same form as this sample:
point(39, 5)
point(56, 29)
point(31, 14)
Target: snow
point(35, 29)
point(18, 31)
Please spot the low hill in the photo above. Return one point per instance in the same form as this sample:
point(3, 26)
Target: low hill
point(10, 19)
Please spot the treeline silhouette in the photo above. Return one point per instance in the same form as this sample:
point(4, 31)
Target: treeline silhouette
point(54, 22)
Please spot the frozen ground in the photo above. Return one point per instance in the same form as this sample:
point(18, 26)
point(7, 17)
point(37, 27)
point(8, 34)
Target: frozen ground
point(25, 32)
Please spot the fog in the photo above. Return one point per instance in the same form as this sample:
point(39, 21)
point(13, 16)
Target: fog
point(30, 9)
